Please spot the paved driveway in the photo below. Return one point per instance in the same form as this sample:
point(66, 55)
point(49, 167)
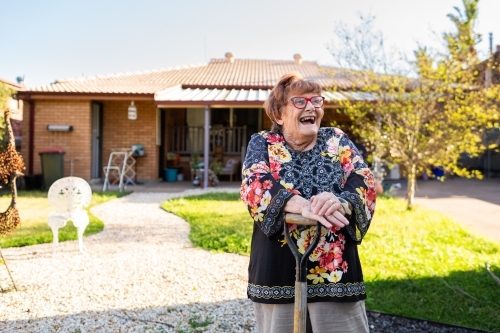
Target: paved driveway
point(474, 203)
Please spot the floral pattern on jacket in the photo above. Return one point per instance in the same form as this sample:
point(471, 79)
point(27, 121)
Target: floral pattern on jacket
point(273, 173)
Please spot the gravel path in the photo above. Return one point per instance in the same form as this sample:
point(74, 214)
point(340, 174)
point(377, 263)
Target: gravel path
point(140, 274)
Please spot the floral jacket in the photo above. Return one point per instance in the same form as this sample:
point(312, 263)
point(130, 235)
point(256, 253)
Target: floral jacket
point(272, 174)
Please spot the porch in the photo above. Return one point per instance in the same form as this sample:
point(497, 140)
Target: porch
point(223, 141)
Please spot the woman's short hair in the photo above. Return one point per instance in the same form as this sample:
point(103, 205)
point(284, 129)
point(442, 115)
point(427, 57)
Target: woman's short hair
point(287, 84)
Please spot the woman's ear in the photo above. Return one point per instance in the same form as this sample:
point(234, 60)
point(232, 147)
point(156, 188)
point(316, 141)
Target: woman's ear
point(279, 122)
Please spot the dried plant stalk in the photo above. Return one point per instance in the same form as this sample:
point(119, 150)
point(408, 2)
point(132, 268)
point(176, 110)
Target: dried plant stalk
point(11, 165)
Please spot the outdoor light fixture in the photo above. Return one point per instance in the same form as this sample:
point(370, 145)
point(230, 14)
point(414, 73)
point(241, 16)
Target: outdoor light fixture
point(132, 111)
point(59, 128)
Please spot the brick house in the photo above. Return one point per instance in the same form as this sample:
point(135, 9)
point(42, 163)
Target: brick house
point(174, 107)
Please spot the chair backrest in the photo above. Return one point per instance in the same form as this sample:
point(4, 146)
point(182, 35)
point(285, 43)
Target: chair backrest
point(69, 194)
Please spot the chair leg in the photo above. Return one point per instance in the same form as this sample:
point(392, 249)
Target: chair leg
point(80, 231)
point(55, 238)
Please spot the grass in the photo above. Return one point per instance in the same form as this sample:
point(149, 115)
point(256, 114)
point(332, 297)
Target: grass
point(416, 263)
point(229, 234)
point(34, 208)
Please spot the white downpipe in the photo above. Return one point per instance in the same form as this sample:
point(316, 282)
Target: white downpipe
point(206, 147)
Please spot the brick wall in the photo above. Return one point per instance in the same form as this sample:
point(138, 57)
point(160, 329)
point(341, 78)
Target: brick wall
point(76, 144)
point(120, 132)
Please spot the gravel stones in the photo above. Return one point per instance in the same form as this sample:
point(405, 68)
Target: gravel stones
point(140, 274)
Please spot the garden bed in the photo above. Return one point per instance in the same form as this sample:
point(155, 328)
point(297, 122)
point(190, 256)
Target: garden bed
point(388, 323)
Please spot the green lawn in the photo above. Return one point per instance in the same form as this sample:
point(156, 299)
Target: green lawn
point(416, 263)
point(231, 232)
point(34, 208)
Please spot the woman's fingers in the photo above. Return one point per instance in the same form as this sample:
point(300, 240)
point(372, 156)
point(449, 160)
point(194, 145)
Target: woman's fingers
point(326, 206)
point(325, 203)
point(328, 221)
point(337, 219)
point(332, 208)
point(321, 219)
point(325, 222)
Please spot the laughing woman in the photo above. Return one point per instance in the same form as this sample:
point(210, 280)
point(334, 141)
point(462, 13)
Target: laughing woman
point(301, 168)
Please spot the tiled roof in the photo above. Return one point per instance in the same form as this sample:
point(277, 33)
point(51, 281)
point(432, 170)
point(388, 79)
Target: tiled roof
point(179, 95)
point(11, 84)
point(219, 73)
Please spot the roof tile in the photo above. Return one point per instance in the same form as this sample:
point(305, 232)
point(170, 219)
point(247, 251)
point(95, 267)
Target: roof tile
point(218, 73)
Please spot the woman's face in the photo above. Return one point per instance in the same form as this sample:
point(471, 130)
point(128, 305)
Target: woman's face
point(301, 122)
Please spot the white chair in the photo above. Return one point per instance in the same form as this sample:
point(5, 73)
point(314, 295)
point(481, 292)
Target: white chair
point(68, 198)
point(231, 168)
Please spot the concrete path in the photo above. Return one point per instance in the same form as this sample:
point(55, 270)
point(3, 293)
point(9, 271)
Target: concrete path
point(474, 203)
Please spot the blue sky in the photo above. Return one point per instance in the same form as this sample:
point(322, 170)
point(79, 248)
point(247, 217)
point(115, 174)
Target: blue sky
point(48, 40)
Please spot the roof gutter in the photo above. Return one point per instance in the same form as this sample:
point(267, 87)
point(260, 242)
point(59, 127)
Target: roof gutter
point(32, 95)
point(174, 103)
point(226, 87)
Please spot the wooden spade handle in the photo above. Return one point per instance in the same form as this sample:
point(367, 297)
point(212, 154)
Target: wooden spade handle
point(292, 218)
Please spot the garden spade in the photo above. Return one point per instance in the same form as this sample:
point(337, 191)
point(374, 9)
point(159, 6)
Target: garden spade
point(300, 308)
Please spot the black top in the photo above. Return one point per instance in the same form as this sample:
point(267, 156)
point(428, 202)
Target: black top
point(272, 174)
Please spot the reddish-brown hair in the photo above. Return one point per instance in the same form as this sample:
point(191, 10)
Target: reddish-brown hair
point(288, 83)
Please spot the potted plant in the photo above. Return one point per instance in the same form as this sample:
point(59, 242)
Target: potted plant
point(173, 158)
point(216, 167)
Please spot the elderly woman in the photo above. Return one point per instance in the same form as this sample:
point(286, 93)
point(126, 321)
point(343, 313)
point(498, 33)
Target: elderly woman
point(301, 168)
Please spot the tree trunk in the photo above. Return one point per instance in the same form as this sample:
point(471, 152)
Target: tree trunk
point(410, 190)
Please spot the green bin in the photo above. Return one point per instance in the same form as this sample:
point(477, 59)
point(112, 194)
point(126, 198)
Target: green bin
point(52, 166)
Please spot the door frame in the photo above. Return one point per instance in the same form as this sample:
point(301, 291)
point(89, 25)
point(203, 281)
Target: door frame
point(96, 140)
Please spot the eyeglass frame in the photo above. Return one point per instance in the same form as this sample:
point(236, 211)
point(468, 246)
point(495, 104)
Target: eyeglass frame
point(307, 100)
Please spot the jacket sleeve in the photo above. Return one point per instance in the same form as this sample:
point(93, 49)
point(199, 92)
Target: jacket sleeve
point(261, 189)
point(358, 189)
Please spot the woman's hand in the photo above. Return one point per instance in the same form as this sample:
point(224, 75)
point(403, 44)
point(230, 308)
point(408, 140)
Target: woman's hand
point(300, 205)
point(326, 204)
point(335, 219)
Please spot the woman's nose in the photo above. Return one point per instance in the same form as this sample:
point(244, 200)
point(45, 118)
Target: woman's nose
point(309, 106)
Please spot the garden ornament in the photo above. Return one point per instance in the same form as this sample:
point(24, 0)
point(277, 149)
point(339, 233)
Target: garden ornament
point(68, 198)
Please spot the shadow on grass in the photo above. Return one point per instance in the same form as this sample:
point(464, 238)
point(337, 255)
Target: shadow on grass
point(458, 298)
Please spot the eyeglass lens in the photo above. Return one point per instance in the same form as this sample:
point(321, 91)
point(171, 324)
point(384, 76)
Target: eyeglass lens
point(300, 102)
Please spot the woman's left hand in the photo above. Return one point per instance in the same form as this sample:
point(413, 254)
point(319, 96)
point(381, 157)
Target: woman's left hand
point(325, 204)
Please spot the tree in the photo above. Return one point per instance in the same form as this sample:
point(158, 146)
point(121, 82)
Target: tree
point(463, 42)
point(422, 120)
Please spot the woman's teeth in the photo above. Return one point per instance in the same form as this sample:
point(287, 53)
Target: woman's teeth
point(310, 120)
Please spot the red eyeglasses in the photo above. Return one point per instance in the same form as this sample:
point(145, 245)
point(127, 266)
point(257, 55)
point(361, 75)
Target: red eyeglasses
point(301, 102)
